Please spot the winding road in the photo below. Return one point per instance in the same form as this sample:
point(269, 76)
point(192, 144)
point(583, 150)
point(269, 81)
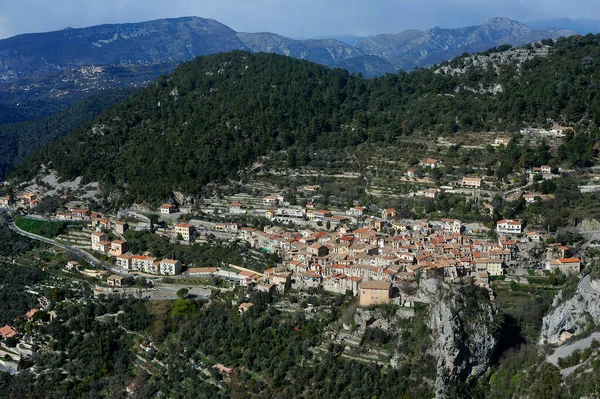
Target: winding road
point(75, 251)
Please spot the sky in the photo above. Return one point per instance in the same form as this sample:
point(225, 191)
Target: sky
point(293, 18)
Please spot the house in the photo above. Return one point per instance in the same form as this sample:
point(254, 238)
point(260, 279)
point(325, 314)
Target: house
point(118, 247)
point(270, 201)
point(388, 213)
point(492, 266)
point(202, 271)
point(430, 193)
point(27, 199)
point(411, 173)
point(357, 211)
point(170, 267)
point(374, 292)
point(121, 227)
point(101, 224)
point(115, 280)
point(531, 197)
point(318, 249)
point(81, 214)
point(470, 182)
point(227, 227)
point(186, 230)
point(509, 226)
point(29, 315)
point(224, 370)
point(533, 236)
point(236, 208)
point(451, 225)
point(98, 238)
point(501, 141)
point(167, 209)
point(142, 263)
point(244, 307)
point(430, 163)
point(546, 169)
point(264, 287)
point(5, 202)
point(8, 332)
point(124, 262)
point(569, 265)
point(282, 281)
point(321, 215)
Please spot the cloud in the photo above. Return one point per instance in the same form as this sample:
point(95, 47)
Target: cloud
point(296, 18)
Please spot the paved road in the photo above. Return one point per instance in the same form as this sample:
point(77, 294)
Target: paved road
point(567, 350)
point(76, 251)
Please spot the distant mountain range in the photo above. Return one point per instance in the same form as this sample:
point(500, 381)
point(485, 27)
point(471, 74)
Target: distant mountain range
point(581, 26)
point(415, 48)
point(181, 39)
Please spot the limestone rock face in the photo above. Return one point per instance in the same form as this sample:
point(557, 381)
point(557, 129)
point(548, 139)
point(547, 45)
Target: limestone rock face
point(570, 315)
point(465, 333)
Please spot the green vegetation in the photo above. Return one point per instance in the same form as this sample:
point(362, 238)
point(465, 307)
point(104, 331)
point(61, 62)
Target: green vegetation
point(22, 139)
point(210, 254)
point(41, 227)
point(217, 114)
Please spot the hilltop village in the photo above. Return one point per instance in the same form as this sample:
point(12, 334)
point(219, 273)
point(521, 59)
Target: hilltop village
point(353, 250)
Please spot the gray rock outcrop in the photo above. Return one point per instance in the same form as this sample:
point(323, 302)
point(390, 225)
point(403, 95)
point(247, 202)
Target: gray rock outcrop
point(465, 333)
point(571, 315)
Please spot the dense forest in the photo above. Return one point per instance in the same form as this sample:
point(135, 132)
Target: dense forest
point(215, 115)
point(25, 137)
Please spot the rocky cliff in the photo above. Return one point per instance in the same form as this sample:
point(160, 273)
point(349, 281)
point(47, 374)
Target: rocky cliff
point(572, 312)
point(465, 331)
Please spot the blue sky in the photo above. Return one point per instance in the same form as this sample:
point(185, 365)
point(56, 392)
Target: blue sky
point(294, 18)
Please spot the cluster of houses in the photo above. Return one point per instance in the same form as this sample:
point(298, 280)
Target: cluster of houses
point(145, 264)
point(368, 263)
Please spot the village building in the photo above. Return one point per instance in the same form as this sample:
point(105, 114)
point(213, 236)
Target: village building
point(270, 200)
point(5, 202)
point(167, 209)
point(118, 247)
point(509, 226)
point(244, 307)
point(100, 241)
point(566, 265)
point(170, 267)
point(124, 262)
point(374, 292)
point(470, 182)
point(143, 263)
point(121, 227)
point(9, 332)
point(430, 163)
point(186, 230)
point(388, 213)
point(237, 208)
point(115, 280)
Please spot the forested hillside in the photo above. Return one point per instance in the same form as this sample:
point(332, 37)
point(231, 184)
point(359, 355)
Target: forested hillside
point(22, 139)
point(215, 115)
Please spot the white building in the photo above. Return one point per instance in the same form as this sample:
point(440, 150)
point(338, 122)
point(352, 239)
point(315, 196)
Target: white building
point(170, 267)
point(509, 226)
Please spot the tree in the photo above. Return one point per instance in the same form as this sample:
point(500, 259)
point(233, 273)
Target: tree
point(182, 293)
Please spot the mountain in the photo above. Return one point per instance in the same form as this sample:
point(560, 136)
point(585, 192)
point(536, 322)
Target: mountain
point(218, 114)
point(330, 52)
point(415, 48)
point(581, 26)
point(137, 43)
